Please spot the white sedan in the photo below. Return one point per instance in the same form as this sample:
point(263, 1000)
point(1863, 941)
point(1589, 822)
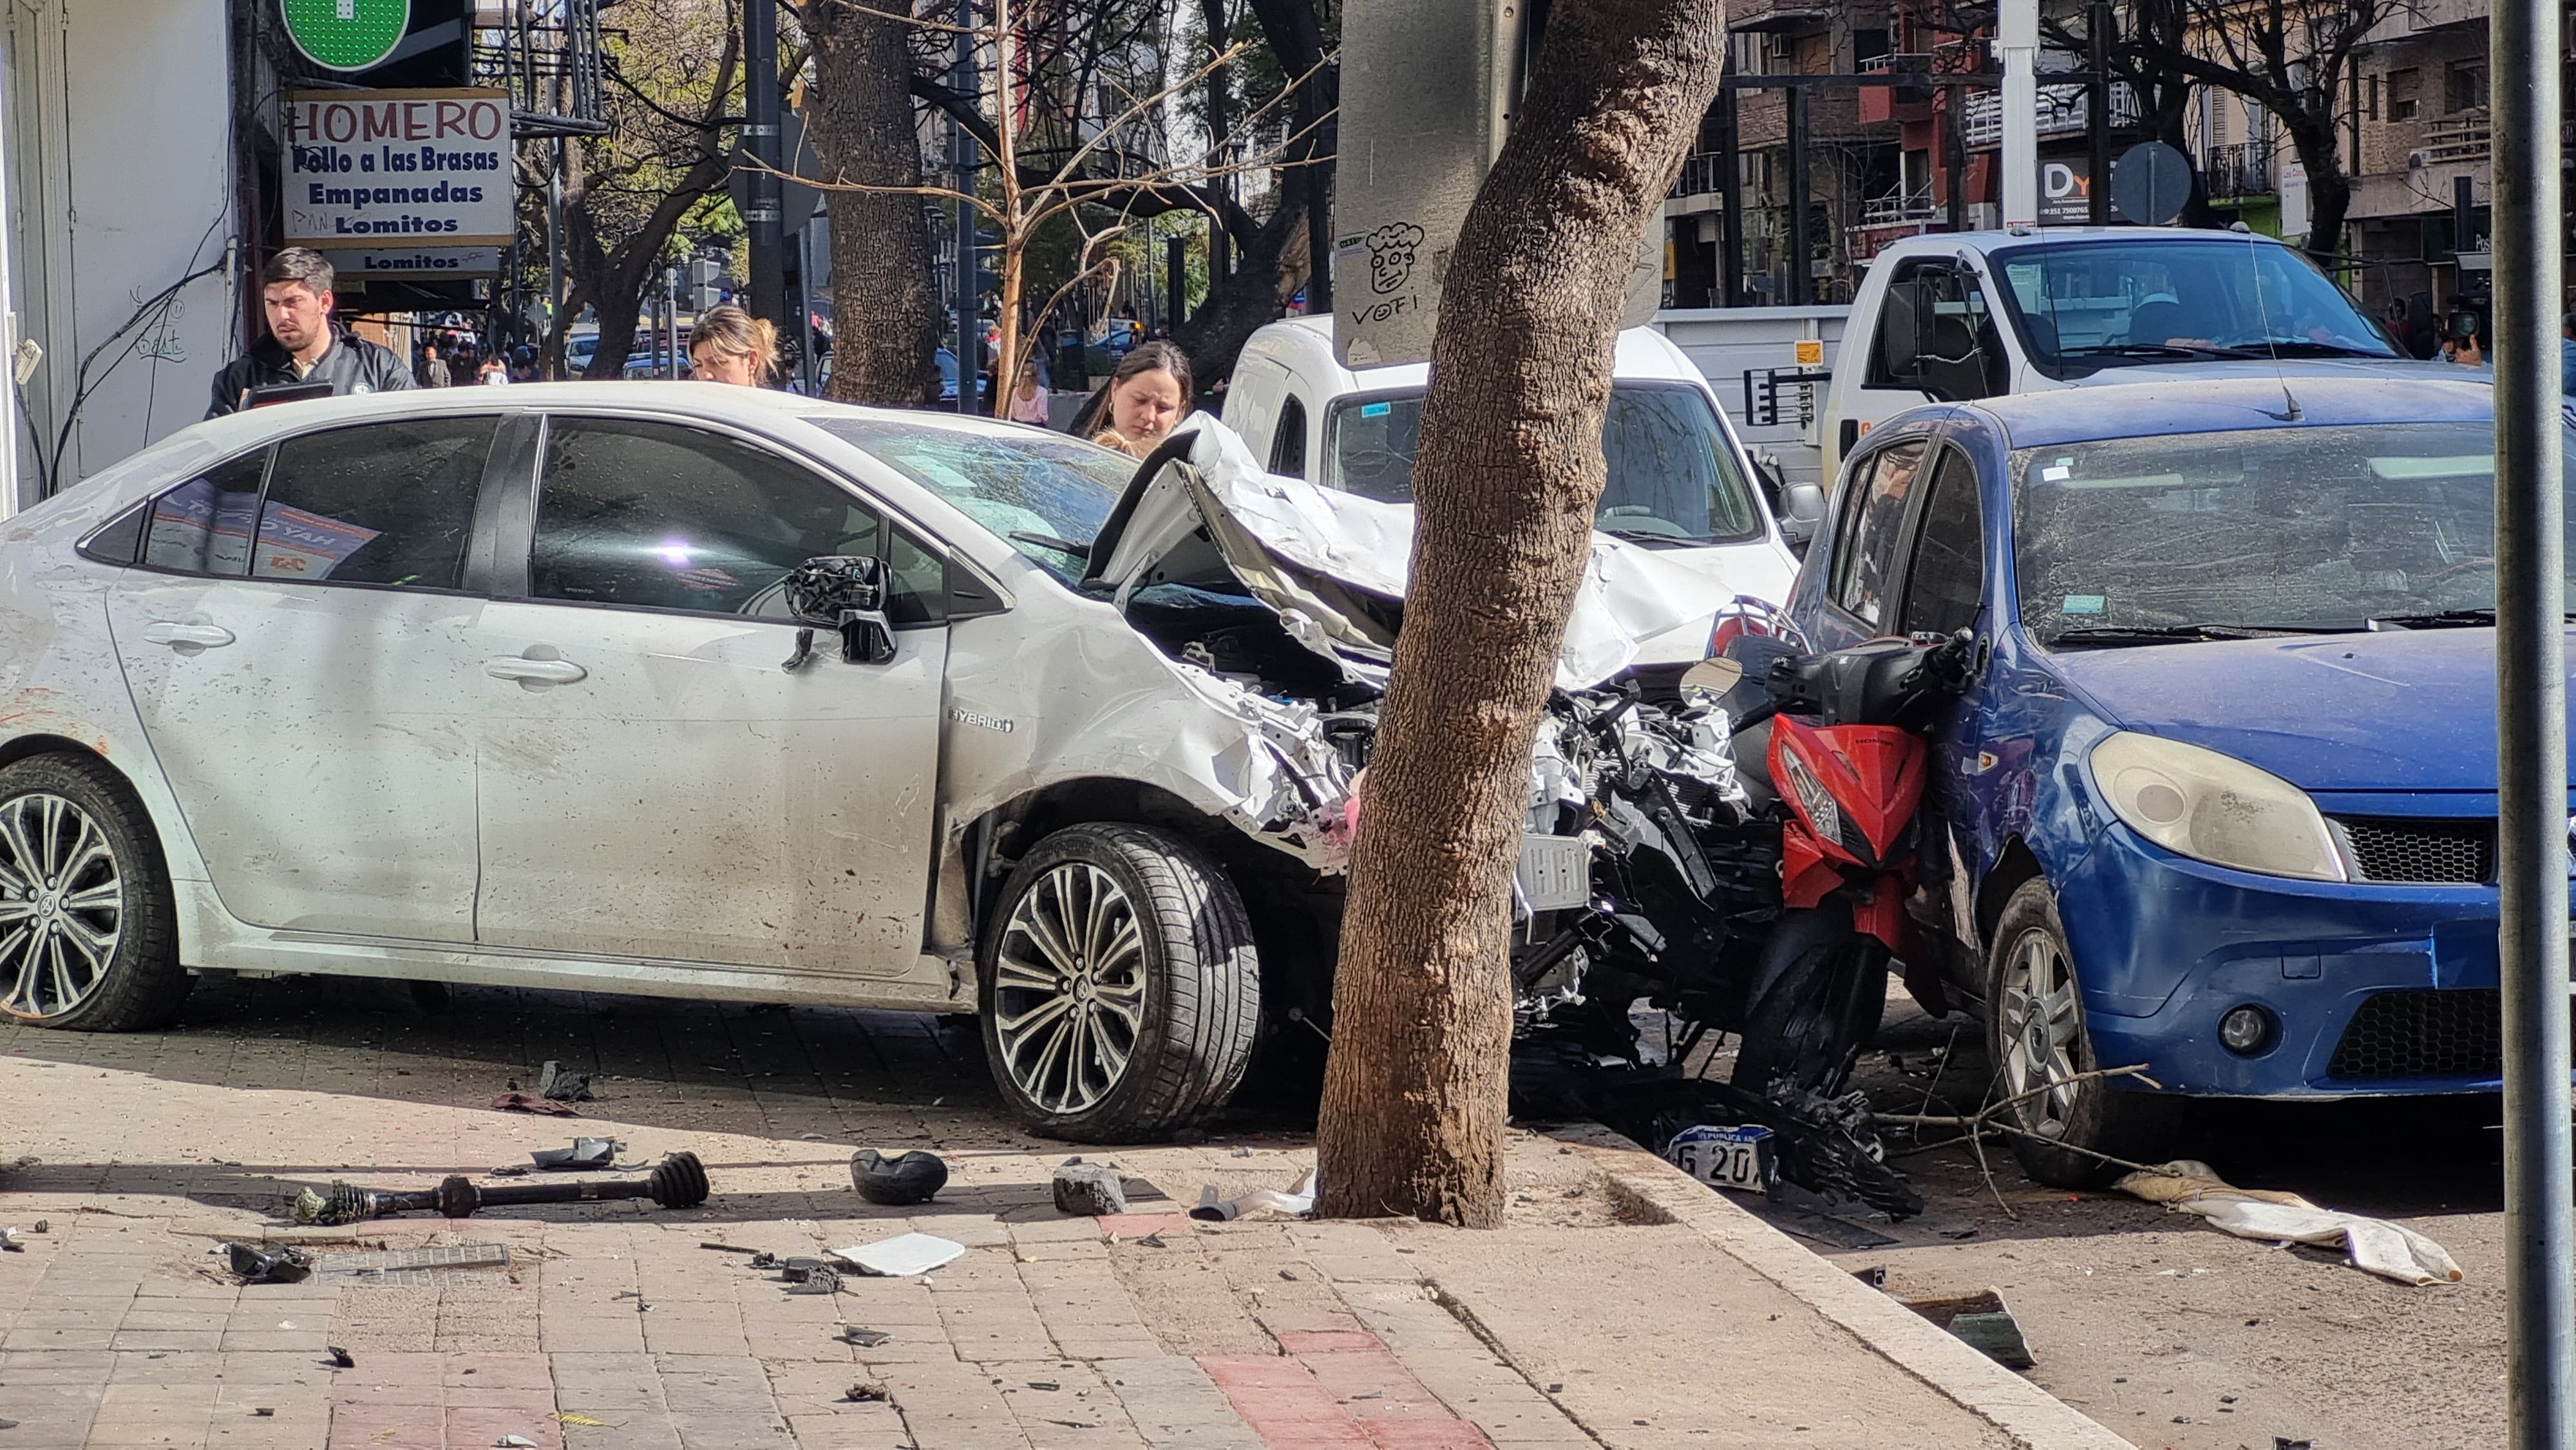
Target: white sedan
point(492, 686)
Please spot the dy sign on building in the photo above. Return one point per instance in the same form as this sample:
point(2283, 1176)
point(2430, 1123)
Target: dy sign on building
point(398, 169)
point(346, 34)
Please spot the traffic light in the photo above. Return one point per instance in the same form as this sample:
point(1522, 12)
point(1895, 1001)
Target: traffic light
point(706, 276)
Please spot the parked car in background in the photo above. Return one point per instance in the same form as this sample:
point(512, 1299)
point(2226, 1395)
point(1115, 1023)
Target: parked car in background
point(579, 349)
point(948, 380)
point(2220, 797)
point(1680, 484)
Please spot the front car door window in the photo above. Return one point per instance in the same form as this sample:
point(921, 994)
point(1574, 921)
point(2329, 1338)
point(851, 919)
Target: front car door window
point(398, 511)
point(1945, 576)
point(1865, 562)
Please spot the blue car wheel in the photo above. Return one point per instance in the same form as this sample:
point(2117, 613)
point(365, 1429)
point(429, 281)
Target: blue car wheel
point(2071, 1126)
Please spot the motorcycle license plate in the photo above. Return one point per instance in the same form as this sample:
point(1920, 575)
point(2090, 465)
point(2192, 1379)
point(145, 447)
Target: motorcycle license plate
point(1724, 1157)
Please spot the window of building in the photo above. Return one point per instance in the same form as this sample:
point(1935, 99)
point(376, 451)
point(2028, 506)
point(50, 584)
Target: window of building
point(2370, 97)
point(2401, 93)
point(2464, 86)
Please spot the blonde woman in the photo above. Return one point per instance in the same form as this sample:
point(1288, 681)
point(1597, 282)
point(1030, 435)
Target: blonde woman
point(729, 345)
point(1028, 400)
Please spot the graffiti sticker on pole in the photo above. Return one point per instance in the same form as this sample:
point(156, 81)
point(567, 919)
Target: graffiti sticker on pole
point(346, 34)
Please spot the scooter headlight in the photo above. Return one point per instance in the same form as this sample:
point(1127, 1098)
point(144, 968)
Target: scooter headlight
point(2215, 808)
point(1813, 798)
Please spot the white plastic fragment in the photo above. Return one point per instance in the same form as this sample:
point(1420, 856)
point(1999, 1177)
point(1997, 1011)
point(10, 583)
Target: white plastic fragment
point(1225, 1210)
point(901, 1256)
point(2390, 1250)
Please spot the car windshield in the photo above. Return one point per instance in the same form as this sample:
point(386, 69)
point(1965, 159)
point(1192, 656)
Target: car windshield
point(2301, 529)
point(1038, 492)
point(1673, 480)
point(2082, 307)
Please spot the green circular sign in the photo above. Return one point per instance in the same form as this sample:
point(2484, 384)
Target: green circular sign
point(346, 34)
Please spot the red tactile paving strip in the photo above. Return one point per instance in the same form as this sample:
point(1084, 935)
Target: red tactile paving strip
point(1337, 1390)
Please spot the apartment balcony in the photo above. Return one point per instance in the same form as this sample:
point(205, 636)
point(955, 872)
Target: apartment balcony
point(1898, 209)
point(2242, 168)
point(1782, 14)
point(1896, 102)
point(2464, 137)
point(1696, 190)
point(2062, 111)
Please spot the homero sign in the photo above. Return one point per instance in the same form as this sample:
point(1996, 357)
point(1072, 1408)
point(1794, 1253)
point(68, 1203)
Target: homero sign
point(408, 168)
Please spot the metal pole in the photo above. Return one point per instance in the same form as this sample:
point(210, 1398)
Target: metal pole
point(554, 253)
point(1176, 279)
point(1801, 273)
point(961, 152)
point(2017, 44)
point(2097, 114)
point(2524, 42)
point(1730, 199)
point(760, 140)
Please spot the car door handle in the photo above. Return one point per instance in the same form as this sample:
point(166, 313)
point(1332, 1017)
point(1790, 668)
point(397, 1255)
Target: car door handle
point(535, 672)
point(171, 632)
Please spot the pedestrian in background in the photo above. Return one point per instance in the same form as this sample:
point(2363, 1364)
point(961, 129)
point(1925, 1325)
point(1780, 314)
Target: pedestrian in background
point(495, 372)
point(1029, 399)
point(2462, 345)
point(433, 372)
point(1137, 407)
point(729, 345)
point(305, 343)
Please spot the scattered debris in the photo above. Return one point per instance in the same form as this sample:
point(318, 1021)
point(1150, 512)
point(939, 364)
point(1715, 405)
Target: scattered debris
point(1089, 1188)
point(1296, 1204)
point(584, 1153)
point(817, 1280)
point(1242, 1152)
point(1044, 1385)
point(863, 1338)
point(263, 1411)
point(1827, 1146)
point(569, 1417)
point(901, 1256)
point(798, 1269)
point(1153, 1240)
point(869, 1392)
point(764, 1260)
point(44, 1226)
point(1984, 1322)
point(522, 1103)
point(1289, 1275)
point(515, 1442)
point(2390, 1250)
point(727, 1248)
point(916, 1177)
point(341, 1358)
point(411, 1266)
point(261, 1264)
point(9, 1241)
point(678, 1181)
point(556, 1083)
point(1875, 1276)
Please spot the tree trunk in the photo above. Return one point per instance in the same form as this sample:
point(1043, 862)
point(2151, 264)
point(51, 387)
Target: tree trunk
point(1240, 302)
point(885, 313)
point(2329, 188)
point(1509, 472)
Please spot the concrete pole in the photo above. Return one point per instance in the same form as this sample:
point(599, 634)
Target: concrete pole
point(961, 155)
point(2017, 42)
point(2523, 46)
point(760, 139)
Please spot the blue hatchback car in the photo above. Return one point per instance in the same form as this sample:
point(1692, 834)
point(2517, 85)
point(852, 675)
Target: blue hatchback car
point(2220, 798)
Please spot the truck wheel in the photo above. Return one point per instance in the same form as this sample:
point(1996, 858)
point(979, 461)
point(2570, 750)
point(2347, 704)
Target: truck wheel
point(89, 939)
point(1821, 988)
point(2036, 1039)
point(1121, 991)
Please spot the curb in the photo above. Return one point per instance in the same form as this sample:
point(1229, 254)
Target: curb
point(2033, 1417)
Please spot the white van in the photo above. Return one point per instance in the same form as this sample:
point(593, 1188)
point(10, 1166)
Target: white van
point(1680, 482)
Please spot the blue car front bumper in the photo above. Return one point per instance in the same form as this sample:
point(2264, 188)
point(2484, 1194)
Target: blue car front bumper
point(2375, 989)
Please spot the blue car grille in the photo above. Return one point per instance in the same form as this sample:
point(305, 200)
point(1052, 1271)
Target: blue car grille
point(2421, 850)
point(2423, 1034)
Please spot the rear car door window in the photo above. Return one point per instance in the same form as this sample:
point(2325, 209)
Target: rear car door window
point(1945, 578)
point(1866, 564)
point(389, 503)
point(203, 526)
point(653, 516)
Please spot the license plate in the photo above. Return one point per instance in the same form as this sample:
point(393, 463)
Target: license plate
point(1555, 872)
point(1724, 1157)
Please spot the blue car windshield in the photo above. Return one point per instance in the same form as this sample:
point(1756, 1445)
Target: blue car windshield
point(2306, 528)
point(1036, 491)
point(2085, 306)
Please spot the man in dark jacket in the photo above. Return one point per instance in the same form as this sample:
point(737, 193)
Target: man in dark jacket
point(304, 344)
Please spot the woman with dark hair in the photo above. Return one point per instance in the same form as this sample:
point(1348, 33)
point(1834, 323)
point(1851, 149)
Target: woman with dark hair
point(1137, 407)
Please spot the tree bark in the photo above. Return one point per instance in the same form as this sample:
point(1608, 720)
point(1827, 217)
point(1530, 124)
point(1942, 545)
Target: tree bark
point(1510, 469)
point(884, 306)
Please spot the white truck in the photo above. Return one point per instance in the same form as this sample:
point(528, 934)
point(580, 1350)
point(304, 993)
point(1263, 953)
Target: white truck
point(1956, 316)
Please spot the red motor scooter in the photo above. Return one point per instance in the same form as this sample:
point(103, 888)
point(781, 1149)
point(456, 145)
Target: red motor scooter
point(1840, 736)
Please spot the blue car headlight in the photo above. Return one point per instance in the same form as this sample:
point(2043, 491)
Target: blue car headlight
point(2215, 808)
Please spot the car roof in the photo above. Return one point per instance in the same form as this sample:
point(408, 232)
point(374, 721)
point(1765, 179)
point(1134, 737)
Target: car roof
point(1304, 345)
point(2136, 410)
point(2079, 236)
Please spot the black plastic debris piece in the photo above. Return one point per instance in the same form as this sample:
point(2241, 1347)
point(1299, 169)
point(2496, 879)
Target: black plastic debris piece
point(863, 1338)
point(264, 1264)
point(764, 1260)
point(817, 1280)
point(1828, 1146)
point(1089, 1188)
point(44, 1226)
point(916, 1177)
point(584, 1153)
point(562, 1085)
point(341, 1358)
point(726, 1248)
point(869, 1392)
point(799, 1268)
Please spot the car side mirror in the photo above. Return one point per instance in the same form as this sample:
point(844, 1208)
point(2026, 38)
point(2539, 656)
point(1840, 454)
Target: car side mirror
point(1903, 329)
point(1802, 512)
point(845, 593)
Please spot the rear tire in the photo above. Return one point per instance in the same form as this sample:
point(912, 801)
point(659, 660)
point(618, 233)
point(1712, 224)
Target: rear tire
point(89, 936)
point(2035, 1036)
point(1121, 991)
point(1821, 989)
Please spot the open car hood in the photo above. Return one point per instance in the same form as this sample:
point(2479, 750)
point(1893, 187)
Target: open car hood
point(1201, 512)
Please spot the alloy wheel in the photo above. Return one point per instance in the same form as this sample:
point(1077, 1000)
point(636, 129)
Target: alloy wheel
point(2038, 1021)
point(1069, 988)
point(62, 905)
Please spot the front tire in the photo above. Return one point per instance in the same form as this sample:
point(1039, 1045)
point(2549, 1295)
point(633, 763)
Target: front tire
point(1821, 987)
point(2036, 1038)
point(1121, 990)
point(89, 937)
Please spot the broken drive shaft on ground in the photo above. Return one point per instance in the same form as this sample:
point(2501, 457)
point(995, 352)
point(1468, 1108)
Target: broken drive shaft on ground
point(678, 1181)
